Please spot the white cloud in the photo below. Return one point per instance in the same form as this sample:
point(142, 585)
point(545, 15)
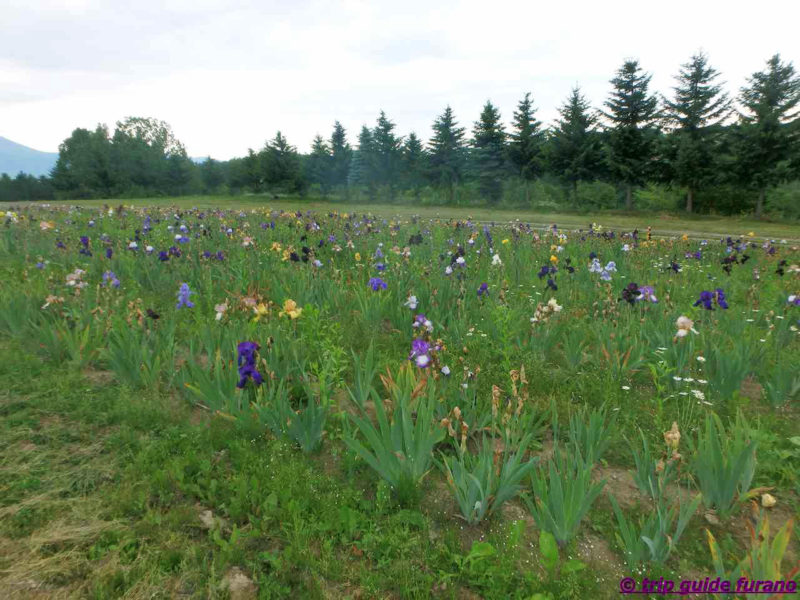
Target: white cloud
point(227, 76)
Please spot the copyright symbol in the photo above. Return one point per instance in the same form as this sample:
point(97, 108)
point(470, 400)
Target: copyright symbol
point(627, 585)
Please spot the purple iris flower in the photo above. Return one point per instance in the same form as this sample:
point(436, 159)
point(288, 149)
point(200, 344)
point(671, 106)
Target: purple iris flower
point(85, 252)
point(183, 296)
point(60, 245)
point(247, 364)
point(707, 299)
point(552, 285)
point(483, 289)
point(419, 353)
point(110, 278)
point(174, 251)
point(109, 253)
point(40, 265)
point(648, 294)
point(219, 256)
point(376, 283)
point(631, 293)
point(163, 256)
point(380, 266)
point(85, 241)
point(605, 275)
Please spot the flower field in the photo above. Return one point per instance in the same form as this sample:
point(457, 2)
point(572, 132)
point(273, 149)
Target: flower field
point(496, 396)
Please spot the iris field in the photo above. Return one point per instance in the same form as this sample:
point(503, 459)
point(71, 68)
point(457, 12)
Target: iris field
point(202, 402)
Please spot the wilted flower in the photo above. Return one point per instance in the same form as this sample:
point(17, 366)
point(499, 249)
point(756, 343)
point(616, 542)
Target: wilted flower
point(673, 437)
point(183, 296)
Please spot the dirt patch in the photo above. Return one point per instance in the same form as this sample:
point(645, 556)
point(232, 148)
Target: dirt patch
point(752, 389)
point(596, 552)
point(98, 377)
point(619, 483)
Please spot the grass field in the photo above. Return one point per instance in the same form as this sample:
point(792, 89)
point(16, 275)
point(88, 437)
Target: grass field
point(662, 223)
point(142, 455)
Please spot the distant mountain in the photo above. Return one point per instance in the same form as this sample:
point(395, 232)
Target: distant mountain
point(16, 157)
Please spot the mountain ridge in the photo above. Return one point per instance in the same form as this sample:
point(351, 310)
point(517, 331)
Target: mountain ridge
point(16, 157)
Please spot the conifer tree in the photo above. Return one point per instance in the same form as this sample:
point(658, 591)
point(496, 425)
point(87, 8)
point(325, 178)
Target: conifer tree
point(769, 132)
point(632, 113)
point(576, 151)
point(319, 164)
point(341, 154)
point(447, 152)
point(489, 152)
point(526, 143)
point(696, 112)
point(387, 153)
point(414, 161)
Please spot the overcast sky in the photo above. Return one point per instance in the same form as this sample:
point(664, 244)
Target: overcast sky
point(227, 78)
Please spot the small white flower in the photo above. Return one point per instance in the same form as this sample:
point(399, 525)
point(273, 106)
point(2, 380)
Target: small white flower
point(446, 370)
point(676, 378)
point(460, 261)
point(701, 359)
point(699, 395)
point(703, 381)
point(448, 270)
point(149, 248)
point(496, 260)
point(133, 245)
point(626, 387)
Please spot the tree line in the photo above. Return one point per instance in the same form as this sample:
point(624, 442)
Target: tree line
point(716, 152)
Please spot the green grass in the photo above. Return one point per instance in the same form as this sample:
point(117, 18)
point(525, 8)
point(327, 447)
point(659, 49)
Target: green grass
point(662, 223)
point(107, 491)
point(102, 490)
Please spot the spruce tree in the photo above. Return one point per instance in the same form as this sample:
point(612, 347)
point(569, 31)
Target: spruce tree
point(576, 151)
point(489, 152)
point(319, 164)
point(447, 152)
point(387, 153)
point(362, 164)
point(526, 143)
point(769, 130)
point(341, 154)
point(632, 113)
point(281, 165)
point(414, 161)
point(697, 111)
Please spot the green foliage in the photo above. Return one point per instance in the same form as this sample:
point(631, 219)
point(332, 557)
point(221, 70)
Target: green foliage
point(654, 538)
point(563, 493)
point(482, 483)
point(400, 447)
point(724, 463)
point(649, 476)
point(764, 558)
point(591, 432)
